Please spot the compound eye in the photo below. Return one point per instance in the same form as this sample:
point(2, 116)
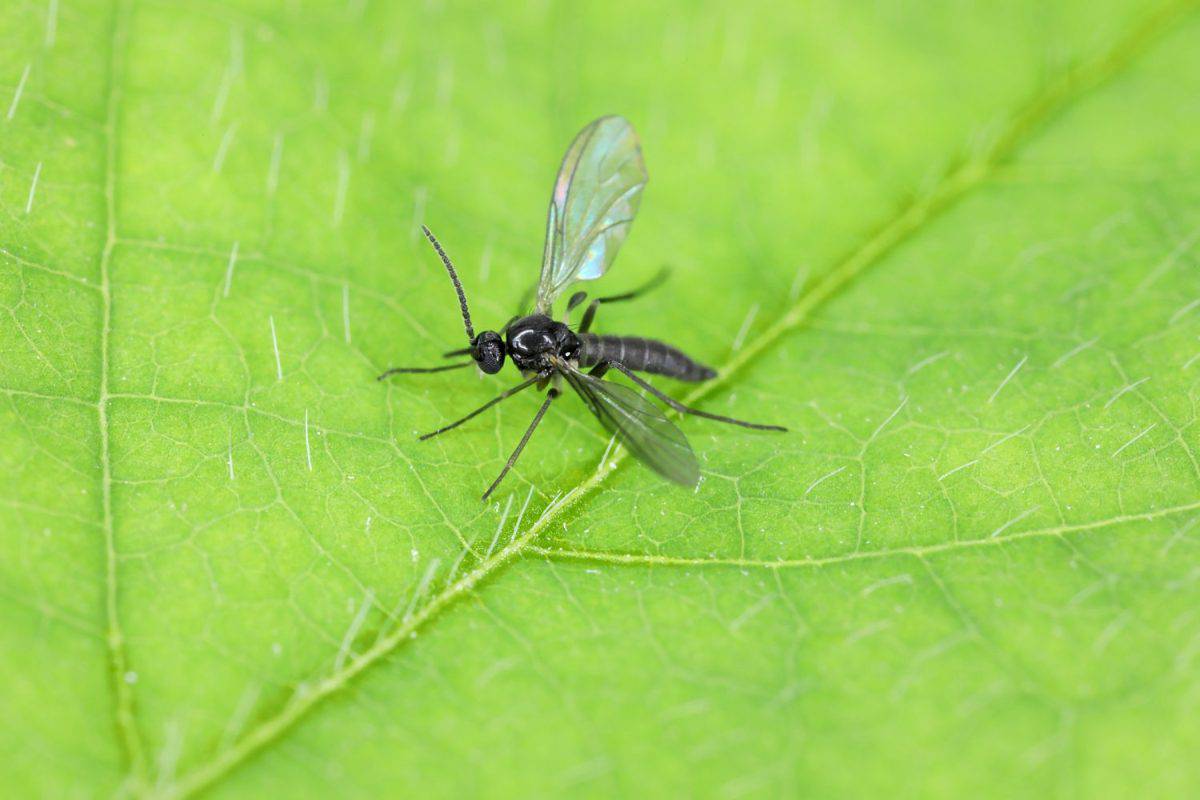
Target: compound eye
point(489, 352)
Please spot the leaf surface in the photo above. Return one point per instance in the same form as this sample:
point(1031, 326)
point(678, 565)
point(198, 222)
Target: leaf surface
point(955, 250)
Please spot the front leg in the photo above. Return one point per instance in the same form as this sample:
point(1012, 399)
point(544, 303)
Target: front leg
point(421, 370)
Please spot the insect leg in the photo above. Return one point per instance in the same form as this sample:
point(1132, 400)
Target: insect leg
point(408, 370)
point(507, 393)
point(680, 407)
point(550, 395)
point(586, 323)
point(575, 300)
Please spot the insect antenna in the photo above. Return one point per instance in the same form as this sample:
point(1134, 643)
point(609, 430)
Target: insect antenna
point(462, 297)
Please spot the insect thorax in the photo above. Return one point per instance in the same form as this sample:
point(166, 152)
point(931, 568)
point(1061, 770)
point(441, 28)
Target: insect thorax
point(533, 340)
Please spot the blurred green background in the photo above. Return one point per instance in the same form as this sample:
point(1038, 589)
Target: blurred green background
point(952, 245)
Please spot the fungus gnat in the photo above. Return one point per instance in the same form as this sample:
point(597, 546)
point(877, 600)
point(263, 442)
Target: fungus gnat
point(595, 199)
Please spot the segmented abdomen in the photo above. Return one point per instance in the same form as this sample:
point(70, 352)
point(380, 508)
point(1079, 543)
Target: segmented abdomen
point(641, 355)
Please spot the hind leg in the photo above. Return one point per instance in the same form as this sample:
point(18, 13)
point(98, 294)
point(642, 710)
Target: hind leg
point(599, 370)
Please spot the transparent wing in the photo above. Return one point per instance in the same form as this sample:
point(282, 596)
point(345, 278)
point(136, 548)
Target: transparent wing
point(595, 198)
point(639, 425)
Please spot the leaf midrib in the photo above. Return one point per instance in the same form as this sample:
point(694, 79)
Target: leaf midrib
point(958, 181)
point(127, 729)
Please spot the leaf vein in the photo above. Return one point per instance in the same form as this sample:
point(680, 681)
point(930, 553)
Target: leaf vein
point(127, 729)
point(922, 551)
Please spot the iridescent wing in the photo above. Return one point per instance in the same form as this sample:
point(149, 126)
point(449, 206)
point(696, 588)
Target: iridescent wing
point(639, 425)
point(595, 198)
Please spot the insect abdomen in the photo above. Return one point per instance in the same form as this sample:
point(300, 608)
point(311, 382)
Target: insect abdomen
point(641, 355)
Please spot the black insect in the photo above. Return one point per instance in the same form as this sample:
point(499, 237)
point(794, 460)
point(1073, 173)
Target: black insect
point(595, 198)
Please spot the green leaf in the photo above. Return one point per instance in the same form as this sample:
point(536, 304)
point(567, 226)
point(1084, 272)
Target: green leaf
point(954, 248)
